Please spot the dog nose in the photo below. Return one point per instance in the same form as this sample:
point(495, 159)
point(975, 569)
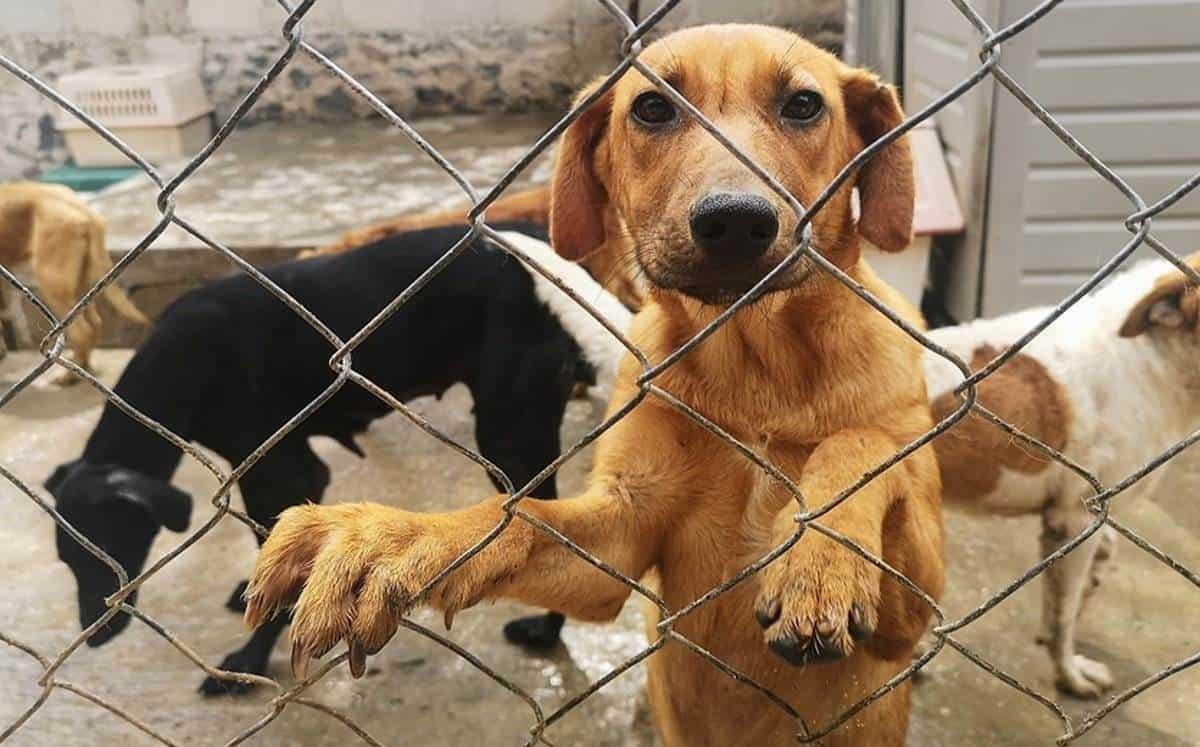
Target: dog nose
point(734, 225)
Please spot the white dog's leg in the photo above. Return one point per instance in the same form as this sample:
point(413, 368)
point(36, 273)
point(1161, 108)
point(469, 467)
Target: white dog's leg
point(1106, 553)
point(1066, 583)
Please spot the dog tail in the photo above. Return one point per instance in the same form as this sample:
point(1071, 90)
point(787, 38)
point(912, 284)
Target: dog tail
point(100, 263)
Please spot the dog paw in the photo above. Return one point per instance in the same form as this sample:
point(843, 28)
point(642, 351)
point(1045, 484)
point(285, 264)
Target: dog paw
point(353, 571)
point(1084, 677)
point(817, 601)
point(64, 379)
point(537, 632)
point(238, 661)
point(237, 600)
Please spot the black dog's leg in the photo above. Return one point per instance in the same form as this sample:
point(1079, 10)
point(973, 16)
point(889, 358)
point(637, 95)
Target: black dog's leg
point(237, 600)
point(251, 659)
point(288, 475)
point(535, 631)
point(517, 421)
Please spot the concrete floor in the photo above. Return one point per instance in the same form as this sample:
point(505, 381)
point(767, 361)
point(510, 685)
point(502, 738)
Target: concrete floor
point(421, 694)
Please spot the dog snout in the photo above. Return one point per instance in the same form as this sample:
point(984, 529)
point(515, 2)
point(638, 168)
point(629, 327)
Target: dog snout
point(734, 225)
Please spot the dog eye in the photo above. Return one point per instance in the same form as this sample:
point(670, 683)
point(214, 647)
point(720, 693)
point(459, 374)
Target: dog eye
point(803, 107)
point(652, 108)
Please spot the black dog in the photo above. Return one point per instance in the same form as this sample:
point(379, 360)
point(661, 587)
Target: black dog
point(228, 364)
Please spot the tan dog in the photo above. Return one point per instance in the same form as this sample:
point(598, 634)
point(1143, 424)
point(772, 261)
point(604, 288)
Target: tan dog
point(810, 376)
point(531, 205)
point(49, 226)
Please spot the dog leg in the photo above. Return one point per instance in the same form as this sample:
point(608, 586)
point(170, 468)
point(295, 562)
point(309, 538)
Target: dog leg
point(1106, 553)
point(352, 571)
point(81, 340)
point(82, 335)
point(9, 309)
point(59, 269)
point(535, 631)
point(251, 659)
point(288, 475)
point(516, 426)
point(1065, 584)
point(20, 323)
point(820, 600)
point(237, 600)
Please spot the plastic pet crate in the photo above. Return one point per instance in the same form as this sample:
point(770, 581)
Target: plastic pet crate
point(161, 111)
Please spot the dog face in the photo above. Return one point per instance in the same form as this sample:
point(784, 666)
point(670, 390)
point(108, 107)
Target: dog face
point(699, 221)
point(1171, 304)
point(119, 510)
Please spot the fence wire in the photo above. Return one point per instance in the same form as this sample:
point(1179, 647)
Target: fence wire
point(1138, 223)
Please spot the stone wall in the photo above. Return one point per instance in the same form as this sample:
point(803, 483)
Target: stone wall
point(439, 56)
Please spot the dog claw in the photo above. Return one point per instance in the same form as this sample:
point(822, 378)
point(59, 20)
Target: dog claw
point(358, 659)
point(237, 600)
point(860, 630)
point(448, 619)
point(789, 649)
point(300, 660)
point(802, 650)
point(539, 632)
point(767, 615)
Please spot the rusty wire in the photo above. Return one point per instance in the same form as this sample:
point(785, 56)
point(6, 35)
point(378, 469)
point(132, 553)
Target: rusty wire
point(1138, 223)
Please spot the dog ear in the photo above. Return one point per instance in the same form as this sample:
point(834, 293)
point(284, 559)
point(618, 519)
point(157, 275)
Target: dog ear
point(55, 481)
point(166, 504)
point(1172, 302)
point(577, 198)
point(886, 186)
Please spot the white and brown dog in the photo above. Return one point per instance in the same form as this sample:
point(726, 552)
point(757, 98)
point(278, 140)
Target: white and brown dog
point(1128, 353)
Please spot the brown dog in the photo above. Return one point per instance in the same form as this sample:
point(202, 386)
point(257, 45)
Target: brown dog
point(49, 226)
point(613, 270)
point(810, 377)
point(531, 205)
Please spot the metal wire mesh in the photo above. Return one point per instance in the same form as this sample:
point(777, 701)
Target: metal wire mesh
point(1138, 223)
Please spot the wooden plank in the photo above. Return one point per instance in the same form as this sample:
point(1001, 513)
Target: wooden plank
point(937, 210)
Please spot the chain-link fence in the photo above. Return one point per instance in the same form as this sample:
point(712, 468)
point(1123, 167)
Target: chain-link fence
point(945, 630)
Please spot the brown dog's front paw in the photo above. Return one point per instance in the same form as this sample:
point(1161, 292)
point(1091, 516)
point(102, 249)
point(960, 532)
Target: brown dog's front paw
point(351, 573)
point(817, 602)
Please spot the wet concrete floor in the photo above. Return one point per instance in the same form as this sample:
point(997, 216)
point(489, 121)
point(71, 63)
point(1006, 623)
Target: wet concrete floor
point(418, 693)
